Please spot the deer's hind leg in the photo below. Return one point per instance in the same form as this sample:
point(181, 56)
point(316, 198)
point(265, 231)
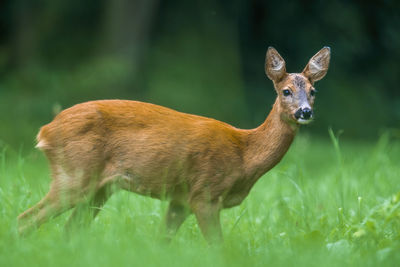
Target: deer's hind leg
point(85, 212)
point(50, 206)
point(65, 193)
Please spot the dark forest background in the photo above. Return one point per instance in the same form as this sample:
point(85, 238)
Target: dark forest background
point(198, 56)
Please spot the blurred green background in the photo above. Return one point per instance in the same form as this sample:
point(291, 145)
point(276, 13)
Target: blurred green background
point(199, 56)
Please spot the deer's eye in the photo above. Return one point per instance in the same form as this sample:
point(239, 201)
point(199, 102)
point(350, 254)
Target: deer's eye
point(286, 92)
point(312, 92)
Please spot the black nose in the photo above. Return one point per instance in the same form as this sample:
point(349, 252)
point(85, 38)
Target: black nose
point(298, 113)
point(307, 113)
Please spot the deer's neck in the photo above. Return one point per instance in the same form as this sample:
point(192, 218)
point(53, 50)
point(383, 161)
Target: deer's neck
point(268, 143)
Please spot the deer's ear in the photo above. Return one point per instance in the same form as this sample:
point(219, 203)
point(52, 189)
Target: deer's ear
point(275, 66)
point(318, 65)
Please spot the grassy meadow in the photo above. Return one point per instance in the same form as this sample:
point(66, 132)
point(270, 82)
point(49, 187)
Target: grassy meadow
point(329, 202)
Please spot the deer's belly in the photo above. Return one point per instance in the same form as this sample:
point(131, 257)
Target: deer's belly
point(155, 188)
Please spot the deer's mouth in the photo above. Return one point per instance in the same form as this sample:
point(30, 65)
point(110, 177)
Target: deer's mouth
point(304, 121)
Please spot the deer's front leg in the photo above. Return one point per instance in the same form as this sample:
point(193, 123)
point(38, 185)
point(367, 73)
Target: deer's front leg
point(207, 215)
point(176, 215)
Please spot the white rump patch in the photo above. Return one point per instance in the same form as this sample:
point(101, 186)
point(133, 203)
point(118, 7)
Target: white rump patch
point(42, 144)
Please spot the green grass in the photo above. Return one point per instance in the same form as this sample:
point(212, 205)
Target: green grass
point(327, 203)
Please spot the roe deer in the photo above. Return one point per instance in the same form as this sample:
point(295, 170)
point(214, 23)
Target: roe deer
point(199, 164)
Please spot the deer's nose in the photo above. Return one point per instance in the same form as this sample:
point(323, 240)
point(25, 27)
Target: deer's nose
point(303, 113)
point(307, 113)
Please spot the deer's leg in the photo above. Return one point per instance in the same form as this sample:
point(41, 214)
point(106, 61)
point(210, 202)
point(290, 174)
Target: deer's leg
point(207, 215)
point(85, 212)
point(65, 193)
point(52, 205)
point(29, 213)
point(176, 215)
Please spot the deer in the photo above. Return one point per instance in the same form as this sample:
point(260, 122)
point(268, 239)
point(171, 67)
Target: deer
point(199, 164)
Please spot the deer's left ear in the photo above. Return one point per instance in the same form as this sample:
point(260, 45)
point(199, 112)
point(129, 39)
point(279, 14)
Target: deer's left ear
point(318, 65)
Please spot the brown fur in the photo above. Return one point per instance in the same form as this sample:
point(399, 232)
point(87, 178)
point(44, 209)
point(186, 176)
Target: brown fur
point(199, 164)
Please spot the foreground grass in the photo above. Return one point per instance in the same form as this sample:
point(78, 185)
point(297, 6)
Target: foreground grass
point(324, 204)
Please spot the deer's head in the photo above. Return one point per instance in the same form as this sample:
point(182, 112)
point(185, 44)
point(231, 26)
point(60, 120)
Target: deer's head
point(296, 92)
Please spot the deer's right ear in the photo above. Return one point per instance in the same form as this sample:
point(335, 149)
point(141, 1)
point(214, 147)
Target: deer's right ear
point(275, 66)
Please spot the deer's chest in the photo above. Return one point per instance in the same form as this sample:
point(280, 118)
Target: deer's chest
point(237, 194)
